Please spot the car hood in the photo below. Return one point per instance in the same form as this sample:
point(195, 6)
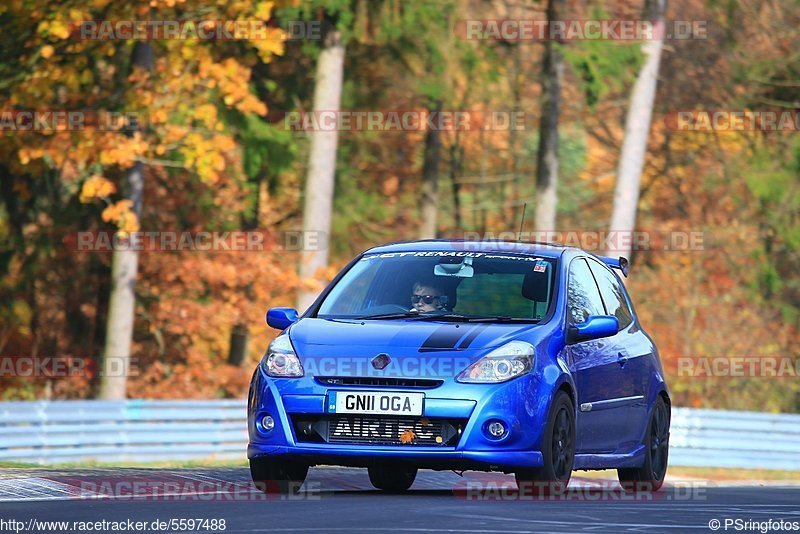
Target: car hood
point(346, 347)
point(423, 336)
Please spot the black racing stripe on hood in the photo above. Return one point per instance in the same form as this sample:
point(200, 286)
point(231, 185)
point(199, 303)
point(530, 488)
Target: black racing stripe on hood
point(444, 338)
point(472, 335)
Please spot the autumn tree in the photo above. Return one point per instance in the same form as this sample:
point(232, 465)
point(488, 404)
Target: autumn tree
point(176, 89)
point(124, 268)
point(547, 154)
point(637, 128)
point(319, 188)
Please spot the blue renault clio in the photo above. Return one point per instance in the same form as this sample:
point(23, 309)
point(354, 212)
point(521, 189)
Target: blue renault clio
point(521, 358)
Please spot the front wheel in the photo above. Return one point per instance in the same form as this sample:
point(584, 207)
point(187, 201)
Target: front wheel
point(277, 476)
point(392, 478)
point(558, 450)
point(650, 477)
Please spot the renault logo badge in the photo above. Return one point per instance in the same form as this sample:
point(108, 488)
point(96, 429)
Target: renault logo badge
point(381, 361)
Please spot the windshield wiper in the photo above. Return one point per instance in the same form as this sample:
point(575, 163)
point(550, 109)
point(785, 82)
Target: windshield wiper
point(444, 317)
point(393, 315)
point(457, 317)
point(420, 316)
point(502, 319)
point(450, 317)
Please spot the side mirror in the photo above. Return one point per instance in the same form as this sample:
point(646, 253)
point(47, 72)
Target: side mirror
point(594, 327)
point(280, 318)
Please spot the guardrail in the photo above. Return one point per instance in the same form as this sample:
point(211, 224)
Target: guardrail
point(717, 438)
point(46, 433)
point(126, 431)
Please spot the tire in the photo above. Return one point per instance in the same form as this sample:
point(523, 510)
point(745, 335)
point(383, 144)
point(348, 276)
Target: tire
point(392, 478)
point(650, 477)
point(558, 451)
point(276, 476)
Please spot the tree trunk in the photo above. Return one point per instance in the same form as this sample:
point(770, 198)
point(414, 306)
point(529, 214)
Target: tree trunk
point(456, 155)
point(430, 180)
point(513, 135)
point(318, 206)
point(547, 156)
point(637, 128)
point(124, 266)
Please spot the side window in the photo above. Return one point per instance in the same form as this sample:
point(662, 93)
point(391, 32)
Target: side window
point(613, 296)
point(583, 297)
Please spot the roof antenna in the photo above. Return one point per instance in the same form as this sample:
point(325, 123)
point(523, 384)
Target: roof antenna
point(521, 222)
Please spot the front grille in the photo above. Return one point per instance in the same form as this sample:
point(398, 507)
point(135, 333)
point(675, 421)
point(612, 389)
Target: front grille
point(379, 381)
point(379, 430)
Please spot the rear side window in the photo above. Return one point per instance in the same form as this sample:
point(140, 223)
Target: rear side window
point(583, 297)
point(612, 294)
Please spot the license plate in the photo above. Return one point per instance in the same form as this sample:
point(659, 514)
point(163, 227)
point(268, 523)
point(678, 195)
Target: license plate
point(373, 402)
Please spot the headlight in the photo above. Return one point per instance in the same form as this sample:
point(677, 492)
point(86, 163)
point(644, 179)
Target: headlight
point(280, 361)
point(503, 363)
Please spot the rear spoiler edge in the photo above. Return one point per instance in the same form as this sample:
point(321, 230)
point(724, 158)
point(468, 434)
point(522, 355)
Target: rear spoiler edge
point(620, 263)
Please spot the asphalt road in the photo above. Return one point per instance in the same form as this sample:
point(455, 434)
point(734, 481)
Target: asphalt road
point(342, 500)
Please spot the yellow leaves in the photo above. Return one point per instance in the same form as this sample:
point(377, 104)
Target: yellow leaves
point(96, 187)
point(53, 28)
point(121, 213)
point(165, 3)
point(18, 315)
point(125, 151)
point(206, 114)
point(271, 41)
point(272, 45)
point(174, 133)
point(231, 78)
point(407, 436)
point(181, 97)
point(26, 154)
point(206, 155)
point(263, 10)
point(158, 116)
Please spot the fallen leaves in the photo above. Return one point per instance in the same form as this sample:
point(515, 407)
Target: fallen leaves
point(407, 436)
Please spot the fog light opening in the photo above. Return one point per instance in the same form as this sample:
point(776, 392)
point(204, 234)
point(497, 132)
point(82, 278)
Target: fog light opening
point(496, 429)
point(267, 423)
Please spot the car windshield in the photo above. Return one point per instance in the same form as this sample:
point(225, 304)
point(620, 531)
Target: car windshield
point(447, 285)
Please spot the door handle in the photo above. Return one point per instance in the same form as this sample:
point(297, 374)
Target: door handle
point(622, 359)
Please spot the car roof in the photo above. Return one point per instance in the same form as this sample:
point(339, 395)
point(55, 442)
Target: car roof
point(464, 245)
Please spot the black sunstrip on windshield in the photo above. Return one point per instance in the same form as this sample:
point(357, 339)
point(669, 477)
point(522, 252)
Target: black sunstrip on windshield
point(444, 285)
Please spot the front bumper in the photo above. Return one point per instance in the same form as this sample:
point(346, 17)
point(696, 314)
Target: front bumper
point(521, 404)
point(423, 457)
